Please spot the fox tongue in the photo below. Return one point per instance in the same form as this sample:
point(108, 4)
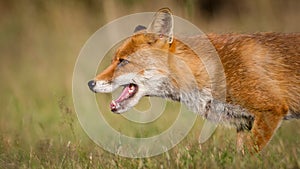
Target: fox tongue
point(126, 93)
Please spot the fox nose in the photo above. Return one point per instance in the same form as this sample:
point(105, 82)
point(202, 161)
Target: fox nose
point(92, 84)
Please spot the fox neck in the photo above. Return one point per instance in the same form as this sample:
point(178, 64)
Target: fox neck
point(187, 65)
point(197, 100)
point(189, 82)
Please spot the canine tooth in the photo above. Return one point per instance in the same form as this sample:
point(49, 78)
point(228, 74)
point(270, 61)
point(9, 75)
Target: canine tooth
point(131, 89)
point(113, 103)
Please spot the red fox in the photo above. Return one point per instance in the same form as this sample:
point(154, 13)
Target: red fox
point(262, 73)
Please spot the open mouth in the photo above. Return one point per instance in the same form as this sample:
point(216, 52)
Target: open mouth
point(128, 92)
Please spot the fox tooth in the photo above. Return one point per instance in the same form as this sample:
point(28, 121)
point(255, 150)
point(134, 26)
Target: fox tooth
point(114, 103)
point(131, 89)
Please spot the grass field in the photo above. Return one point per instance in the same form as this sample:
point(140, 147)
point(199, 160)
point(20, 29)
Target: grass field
point(39, 44)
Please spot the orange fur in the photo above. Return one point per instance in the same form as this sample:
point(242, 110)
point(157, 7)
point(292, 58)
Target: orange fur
point(262, 74)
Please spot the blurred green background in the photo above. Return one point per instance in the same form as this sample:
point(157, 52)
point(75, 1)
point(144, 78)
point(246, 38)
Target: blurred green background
point(39, 43)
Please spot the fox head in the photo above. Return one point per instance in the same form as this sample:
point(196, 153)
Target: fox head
point(142, 65)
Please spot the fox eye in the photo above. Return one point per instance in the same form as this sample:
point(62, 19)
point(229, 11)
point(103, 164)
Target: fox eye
point(122, 62)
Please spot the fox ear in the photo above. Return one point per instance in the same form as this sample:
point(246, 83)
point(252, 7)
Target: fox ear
point(139, 28)
point(162, 24)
